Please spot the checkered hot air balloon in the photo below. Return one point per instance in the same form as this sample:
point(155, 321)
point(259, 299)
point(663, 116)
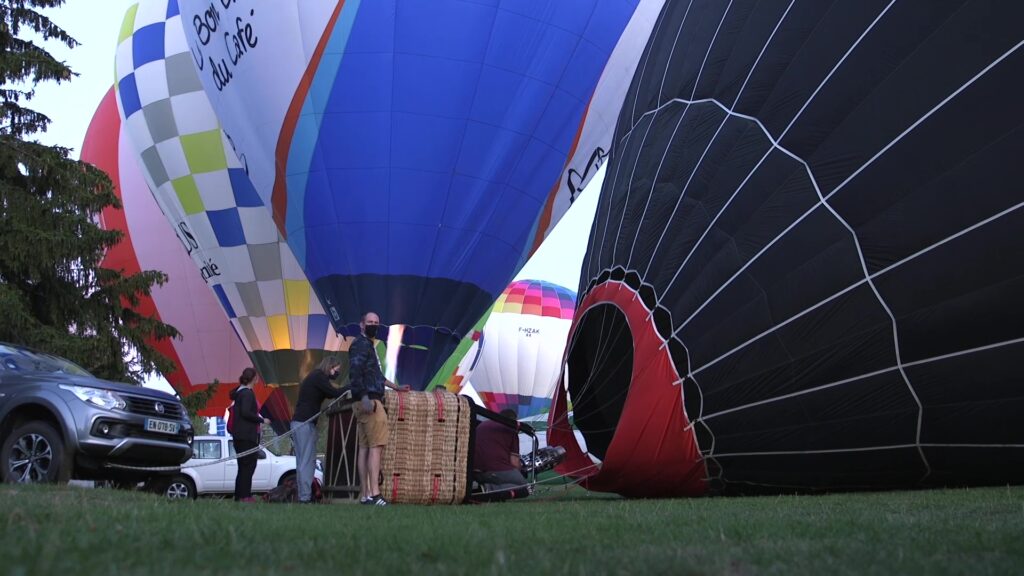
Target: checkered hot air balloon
point(208, 349)
point(202, 188)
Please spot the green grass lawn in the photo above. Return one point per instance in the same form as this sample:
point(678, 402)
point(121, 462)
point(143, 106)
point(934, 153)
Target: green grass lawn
point(76, 531)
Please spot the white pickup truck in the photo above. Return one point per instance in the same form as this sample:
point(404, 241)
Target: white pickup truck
point(196, 479)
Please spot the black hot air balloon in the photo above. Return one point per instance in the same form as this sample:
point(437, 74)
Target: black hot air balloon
point(807, 265)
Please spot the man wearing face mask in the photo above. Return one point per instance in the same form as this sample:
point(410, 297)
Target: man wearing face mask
point(367, 383)
point(314, 389)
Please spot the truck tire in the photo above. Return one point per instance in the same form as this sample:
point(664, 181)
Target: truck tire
point(34, 453)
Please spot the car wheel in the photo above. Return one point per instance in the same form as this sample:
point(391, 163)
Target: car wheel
point(180, 487)
point(34, 453)
point(287, 477)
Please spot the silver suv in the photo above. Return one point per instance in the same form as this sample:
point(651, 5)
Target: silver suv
point(58, 422)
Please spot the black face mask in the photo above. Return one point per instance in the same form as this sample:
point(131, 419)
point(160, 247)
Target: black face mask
point(370, 330)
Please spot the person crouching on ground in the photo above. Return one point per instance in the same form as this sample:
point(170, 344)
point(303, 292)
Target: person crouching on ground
point(246, 433)
point(496, 460)
point(367, 384)
point(315, 387)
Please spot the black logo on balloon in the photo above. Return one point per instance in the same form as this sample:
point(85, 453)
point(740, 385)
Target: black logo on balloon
point(574, 180)
point(186, 238)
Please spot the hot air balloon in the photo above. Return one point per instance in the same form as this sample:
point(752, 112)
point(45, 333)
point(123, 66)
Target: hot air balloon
point(458, 369)
point(202, 188)
point(525, 335)
point(207, 350)
point(407, 148)
point(805, 269)
point(594, 139)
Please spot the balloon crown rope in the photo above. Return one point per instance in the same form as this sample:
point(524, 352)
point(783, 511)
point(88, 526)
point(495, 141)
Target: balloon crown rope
point(345, 396)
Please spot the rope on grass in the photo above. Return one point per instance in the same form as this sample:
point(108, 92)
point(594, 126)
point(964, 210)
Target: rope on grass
point(538, 482)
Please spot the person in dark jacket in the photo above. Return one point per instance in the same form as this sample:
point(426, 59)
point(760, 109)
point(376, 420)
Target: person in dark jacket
point(314, 389)
point(246, 433)
point(367, 383)
point(496, 459)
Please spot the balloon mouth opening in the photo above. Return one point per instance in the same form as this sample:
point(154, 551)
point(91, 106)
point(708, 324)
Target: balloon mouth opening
point(600, 365)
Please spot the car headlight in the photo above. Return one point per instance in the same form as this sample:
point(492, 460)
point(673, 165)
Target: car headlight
point(96, 396)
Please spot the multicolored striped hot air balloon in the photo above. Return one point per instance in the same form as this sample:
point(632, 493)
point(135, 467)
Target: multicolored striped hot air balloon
point(408, 149)
point(525, 338)
point(208, 349)
point(202, 188)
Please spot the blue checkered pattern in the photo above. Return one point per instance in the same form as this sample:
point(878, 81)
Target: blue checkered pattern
point(199, 182)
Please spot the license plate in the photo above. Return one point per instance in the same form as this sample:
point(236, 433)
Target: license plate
point(162, 426)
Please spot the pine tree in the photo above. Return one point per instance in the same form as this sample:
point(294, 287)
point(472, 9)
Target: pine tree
point(54, 296)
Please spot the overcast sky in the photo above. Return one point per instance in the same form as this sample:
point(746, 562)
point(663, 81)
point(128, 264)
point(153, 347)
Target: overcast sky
point(70, 105)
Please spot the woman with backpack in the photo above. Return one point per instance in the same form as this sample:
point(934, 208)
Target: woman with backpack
point(246, 433)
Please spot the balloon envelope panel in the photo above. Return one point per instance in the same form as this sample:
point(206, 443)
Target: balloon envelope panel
point(594, 140)
point(458, 369)
point(815, 205)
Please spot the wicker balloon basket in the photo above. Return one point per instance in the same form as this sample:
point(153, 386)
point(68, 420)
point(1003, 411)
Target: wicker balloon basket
point(426, 460)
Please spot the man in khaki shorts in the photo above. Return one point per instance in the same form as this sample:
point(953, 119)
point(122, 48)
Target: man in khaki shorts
point(367, 382)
